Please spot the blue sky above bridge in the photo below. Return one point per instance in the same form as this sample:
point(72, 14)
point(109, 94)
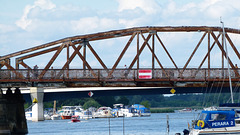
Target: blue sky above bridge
point(26, 24)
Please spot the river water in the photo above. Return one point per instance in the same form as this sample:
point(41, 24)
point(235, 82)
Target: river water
point(156, 124)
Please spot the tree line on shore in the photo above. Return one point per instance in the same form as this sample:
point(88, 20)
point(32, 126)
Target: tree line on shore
point(149, 101)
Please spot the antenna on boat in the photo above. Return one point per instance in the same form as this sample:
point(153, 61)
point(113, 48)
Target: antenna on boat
point(225, 43)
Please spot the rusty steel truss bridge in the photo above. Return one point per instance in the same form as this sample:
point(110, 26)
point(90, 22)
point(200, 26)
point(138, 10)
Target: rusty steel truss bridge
point(21, 74)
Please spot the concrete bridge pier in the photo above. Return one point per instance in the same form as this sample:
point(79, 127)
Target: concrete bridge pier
point(15, 112)
point(12, 114)
point(4, 128)
point(37, 108)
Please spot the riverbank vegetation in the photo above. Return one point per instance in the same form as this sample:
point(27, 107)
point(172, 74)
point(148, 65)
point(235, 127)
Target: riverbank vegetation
point(162, 110)
point(161, 102)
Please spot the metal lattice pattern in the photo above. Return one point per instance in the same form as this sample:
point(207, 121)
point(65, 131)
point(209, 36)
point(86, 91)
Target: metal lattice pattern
point(148, 36)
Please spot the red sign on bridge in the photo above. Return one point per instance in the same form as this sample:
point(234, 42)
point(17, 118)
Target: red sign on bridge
point(145, 74)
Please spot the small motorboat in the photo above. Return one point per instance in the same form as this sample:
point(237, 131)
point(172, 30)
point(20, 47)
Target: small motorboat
point(56, 117)
point(75, 118)
point(28, 115)
point(185, 110)
point(67, 112)
point(103, 112)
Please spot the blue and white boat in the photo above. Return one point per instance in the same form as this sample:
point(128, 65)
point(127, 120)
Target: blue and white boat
point(117, 110)
point(120, 111)
point(218, 122)
point(142, 110)
point(28, 115)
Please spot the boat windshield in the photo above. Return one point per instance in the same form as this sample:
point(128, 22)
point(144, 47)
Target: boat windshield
point(138, 106)
point(203, 116)
point(218, 116)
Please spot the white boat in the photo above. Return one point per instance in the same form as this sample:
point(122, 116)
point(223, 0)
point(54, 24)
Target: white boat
point(56, 117)
point(28, 112)
point(83, 114)
point(185, 110)
point(211, 108)
point(86, 114)
point(28, 115)
point(78, 111)
point(103, 112)
point(132, 112)
point(129, 112)
point(67, 112)
point(47, 117)
point(120, 111)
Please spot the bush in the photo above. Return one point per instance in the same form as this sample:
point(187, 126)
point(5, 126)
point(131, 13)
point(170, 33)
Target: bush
point(146, 104)
point(161, 110)
point(91, 103)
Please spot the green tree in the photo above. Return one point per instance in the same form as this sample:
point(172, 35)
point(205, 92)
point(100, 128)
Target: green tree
point(124, 100)
point(136, 99)
point(91, 103)
point(146, 103)
point(48, 104)
point(106, 101)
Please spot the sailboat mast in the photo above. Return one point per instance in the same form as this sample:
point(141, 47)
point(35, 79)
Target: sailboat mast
point(54, 107)
point(229, 75)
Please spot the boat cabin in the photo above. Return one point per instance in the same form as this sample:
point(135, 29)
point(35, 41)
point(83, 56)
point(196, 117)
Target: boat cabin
point(216, 119)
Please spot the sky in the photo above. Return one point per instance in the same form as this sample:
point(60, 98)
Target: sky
point(28, 23)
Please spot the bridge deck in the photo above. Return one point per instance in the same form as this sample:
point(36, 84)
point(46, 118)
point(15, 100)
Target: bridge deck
point(120, 77)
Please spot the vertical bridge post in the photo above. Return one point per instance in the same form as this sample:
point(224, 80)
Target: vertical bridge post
point(37, 108)
point(4, 128)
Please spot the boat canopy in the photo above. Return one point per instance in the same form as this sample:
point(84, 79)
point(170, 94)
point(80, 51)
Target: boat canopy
point(216, 119)
point(137, 106)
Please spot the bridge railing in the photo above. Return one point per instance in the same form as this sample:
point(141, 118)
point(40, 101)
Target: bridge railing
point(101, 74)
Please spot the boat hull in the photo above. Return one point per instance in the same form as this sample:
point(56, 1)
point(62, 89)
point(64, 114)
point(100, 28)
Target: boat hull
point(56, 117)
point(217, 131)
point(75, 120)
point(145, 114)
point(66, 117)
point(86, 117)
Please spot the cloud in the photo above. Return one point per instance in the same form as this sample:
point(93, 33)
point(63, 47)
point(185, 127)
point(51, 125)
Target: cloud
point(128, 23)
point(93, 24)
point(149, 7)
point(24, 21)
point(44, 21)
point(216, 10)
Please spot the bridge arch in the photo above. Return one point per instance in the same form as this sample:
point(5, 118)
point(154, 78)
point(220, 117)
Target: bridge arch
point(144, 38)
